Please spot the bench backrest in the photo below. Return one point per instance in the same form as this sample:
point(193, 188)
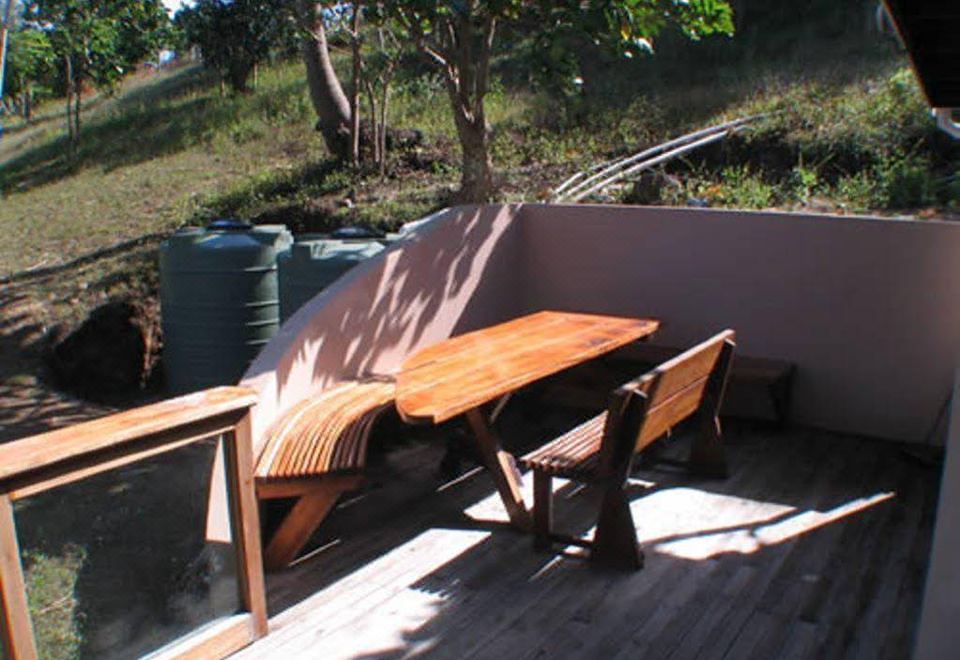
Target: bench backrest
point(643, 409)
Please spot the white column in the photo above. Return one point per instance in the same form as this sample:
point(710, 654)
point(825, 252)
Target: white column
point(939, 633)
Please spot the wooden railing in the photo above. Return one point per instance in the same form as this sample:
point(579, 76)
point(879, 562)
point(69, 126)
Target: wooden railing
point(60, 457)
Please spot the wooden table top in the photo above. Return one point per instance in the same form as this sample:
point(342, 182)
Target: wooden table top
point(467, 371)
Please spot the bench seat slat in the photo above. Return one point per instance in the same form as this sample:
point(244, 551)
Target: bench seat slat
point(573, 453)
point(316, 452)
point(325, 434)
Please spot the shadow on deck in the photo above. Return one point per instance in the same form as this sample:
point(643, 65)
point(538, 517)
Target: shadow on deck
point(815, 547)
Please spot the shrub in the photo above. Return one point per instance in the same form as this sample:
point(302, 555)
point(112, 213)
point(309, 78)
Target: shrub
point(906, 183)
point(740, 187)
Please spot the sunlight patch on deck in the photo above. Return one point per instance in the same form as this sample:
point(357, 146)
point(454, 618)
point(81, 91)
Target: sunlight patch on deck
point(705, 525)
point(389, 589)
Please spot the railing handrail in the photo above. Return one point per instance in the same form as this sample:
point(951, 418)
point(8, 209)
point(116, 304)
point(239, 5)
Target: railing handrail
point(45, 449)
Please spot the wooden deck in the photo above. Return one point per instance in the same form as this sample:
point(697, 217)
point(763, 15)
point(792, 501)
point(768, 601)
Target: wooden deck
point(815, 547)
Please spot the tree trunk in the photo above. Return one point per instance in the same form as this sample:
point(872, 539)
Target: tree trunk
point(77, 94)
point(476, 183)
point(372, 100)
point(4, 29)
point(467, 87)
point(329, 101)
point(68, 78)
point(238, 73)
point(355, 87)
point(382, 137)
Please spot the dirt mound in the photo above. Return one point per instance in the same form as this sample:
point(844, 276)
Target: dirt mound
point(113, 355)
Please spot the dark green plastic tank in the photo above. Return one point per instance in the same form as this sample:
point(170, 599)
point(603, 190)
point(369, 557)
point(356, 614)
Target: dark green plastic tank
point(219, 300)
point(314, 263)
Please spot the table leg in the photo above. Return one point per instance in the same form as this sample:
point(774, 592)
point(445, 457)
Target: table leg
point(503, 469)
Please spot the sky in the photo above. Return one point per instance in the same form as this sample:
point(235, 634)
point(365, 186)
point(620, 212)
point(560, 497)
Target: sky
point(173, 5)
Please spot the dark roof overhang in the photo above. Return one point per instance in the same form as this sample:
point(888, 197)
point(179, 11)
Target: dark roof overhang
point(930, 30)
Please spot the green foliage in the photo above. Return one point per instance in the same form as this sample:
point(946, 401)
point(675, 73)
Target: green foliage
point(51, 581)
point(805, 183)
point(103, 39)
point(905, 183)
point(30, 63)
point(857, 192)
point(97, 41)
point(866, 145)
point(458, 39)
point(738, 187)
point(847, 128)
point(570, 32)
point(30, 59)
point(235, 36)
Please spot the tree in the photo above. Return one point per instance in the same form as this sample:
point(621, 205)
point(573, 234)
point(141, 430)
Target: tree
point(97, 41)
point(30, 60)
point(378, 68)
point(458, 38)
point(6, 20)
point(234, 36)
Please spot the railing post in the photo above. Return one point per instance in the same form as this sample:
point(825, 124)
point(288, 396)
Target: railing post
point(246, 522)
point(16, 630)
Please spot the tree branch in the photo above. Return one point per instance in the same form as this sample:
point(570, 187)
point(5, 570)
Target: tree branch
point(420, 39)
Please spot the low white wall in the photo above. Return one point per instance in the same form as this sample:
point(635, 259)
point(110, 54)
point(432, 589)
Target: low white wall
point(867, 308)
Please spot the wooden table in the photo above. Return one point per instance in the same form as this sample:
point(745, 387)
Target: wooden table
point(459, 375)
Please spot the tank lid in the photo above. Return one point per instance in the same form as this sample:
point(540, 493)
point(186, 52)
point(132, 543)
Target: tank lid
point(229, 224)
point(356, 231)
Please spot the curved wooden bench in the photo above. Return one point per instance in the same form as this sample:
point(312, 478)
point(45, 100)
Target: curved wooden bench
point(601, 449)
point(316, 452)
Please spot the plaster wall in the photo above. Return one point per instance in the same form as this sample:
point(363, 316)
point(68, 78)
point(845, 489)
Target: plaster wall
point(867, 308)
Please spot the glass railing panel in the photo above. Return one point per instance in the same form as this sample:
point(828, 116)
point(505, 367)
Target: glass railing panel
point(117, 565)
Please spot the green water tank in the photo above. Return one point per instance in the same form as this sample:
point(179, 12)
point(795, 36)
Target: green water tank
point(315, 262)
point(219, 300)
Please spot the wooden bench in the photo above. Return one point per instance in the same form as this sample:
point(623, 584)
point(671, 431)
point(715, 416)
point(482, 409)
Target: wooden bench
point(774, 376)
point(601, 450)
point(316, 452)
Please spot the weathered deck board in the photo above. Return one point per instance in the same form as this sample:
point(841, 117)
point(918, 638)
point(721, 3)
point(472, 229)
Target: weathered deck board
point(814, 547)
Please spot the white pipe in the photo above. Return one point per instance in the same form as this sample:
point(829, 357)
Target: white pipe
point(946, 122)
point(576, 191)
point(579, 175)
point(647, 164)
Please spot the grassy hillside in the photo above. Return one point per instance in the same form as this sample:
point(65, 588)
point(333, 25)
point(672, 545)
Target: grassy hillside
point(847, 131)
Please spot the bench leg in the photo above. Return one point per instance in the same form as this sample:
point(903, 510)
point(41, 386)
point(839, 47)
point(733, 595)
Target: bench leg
point(542, 510)
point(615, 542)
point(300, 523)
point(780, 394)
point(707, 456)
